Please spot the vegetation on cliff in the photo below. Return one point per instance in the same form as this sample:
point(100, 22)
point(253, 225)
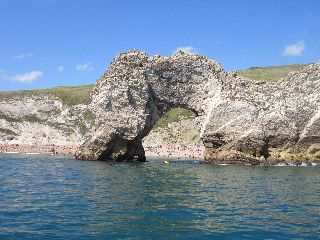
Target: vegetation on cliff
point(71, 95)
point(168, 127)
point(270, 74)
point(174, 115)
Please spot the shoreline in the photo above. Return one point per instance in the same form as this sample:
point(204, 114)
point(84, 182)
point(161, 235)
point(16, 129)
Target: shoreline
point(34, 149)
point(182, 152)
point(175, 151)
point(179, 152)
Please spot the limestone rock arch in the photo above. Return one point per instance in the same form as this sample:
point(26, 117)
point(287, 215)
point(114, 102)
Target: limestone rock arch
point(241, 121)
point(136, 90)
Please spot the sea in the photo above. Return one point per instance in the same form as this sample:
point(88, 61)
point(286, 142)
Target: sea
point(57, 197)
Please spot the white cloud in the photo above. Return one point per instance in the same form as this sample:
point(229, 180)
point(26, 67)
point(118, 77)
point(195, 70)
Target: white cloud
point(25, 77)
point(295, 50)
point(85, 67)
point(23, 55)
point(61, 68)
point(186, 49)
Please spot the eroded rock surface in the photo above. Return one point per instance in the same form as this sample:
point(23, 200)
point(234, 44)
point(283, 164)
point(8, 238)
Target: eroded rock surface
point(43, 119)
point(241, 121)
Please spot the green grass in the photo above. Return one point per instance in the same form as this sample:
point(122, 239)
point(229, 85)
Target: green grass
point(81, 95)
point(88, 116)
point(8, 118)
point(32, 118)
point(28, 118)
point(68, 95)
point(73, 95)
point(7, 131)
point(53, 112)
point(174, 115)
point(270, 74)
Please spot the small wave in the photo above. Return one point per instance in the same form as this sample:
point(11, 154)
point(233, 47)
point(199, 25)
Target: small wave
point(304, 164)
point(280, 165)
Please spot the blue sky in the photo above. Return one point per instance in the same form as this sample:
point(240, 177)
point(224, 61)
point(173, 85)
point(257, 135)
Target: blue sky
point(46, 43)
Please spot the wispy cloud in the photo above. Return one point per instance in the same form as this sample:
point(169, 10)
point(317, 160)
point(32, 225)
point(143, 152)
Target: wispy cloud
point(186, 49)
point(61, 68)
point(84, 67)
point(295, 49)
point(23, 55)
point(28, 77)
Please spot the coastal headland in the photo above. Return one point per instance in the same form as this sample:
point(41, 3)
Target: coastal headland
point(225, 117)
point(240, 121)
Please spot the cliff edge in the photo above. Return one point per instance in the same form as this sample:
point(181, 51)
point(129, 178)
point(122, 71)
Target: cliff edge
point(241, 121)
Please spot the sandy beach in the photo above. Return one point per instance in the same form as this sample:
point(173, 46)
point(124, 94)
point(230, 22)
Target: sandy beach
point(173, 151)
point(176, 151)
point(38, 148)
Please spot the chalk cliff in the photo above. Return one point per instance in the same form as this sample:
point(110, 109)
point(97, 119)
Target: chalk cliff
point(241, 121)
point(62, 116)
point(42, 119)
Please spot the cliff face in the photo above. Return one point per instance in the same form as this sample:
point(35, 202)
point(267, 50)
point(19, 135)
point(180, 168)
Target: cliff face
point(136, 90)
point(258, 122)
point(184, 132)
point(38, 117)
point(241, 121)
point(43, 119)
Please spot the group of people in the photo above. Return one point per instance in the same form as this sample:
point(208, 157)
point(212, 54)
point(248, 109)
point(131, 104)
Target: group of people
point(38, 148)
point(179, 151)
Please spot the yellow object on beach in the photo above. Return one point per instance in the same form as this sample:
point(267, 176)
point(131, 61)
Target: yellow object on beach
point(165, 161)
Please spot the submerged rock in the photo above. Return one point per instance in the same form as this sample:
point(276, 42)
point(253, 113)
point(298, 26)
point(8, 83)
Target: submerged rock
point(241, 121)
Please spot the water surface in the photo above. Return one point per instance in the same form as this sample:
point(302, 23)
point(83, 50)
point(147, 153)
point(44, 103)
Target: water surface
point(45, 197)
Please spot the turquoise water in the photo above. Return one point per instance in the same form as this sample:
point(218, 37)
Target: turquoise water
point(60, 198)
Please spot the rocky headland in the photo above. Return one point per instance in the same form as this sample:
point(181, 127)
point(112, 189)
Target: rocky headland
point(241, 121)
point(42, 120)
point(60, 119)
point(230, 119)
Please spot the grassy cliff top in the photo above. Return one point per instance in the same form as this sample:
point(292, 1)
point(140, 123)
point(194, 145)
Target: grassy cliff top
point(174, 115)
point(71, 95)
point(74, 95)
point(269, 74)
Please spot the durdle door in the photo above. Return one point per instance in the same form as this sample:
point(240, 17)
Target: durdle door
point(242, 121)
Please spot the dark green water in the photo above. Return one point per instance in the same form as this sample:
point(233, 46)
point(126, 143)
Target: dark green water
point(59, 198)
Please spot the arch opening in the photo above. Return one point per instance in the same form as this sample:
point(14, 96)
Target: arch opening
point(136, 91)
point(176, 135)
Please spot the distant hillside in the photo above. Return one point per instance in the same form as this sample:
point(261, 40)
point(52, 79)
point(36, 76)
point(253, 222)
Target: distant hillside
point(73, 95)
point(61, 114)
point(70, 96)
point(174, 115)
point(269, 74)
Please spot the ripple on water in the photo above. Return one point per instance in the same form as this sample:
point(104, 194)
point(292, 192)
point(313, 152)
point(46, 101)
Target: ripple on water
point(45, 197)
